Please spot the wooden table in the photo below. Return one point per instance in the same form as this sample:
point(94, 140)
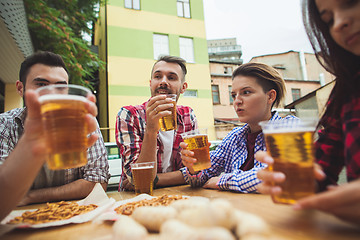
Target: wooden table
point(285, 223)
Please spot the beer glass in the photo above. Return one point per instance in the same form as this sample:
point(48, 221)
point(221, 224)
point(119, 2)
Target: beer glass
point(197, 141)
point(143, 175)
point(63, 111)
point(169, 122)
point(290, 143)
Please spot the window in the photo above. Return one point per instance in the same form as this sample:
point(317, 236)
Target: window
point(190, 93)
point(161, 45)
point(227, 70)
point(133, 4)
point(183, 8)
point(186, 49)
point(295, 93)
point(215, 94)
point(231, 99)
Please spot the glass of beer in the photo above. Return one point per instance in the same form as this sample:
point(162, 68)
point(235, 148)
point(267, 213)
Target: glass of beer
point(169, 122)
point(63, 111)
point(143, 177)
point(290, 143)
point(197, 141)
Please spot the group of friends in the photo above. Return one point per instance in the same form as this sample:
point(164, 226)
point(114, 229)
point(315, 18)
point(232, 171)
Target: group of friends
point(238, 164)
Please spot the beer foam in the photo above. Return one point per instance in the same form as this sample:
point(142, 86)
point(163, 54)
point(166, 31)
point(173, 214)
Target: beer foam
point(195, 135)
point(142, 168)
point(289, 130)
point(61, 97)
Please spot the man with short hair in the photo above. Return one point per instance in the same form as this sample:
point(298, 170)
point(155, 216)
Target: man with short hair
point(41, 69)
point(138, 133)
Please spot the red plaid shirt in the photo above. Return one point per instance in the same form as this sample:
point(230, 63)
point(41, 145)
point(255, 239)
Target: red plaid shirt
point(339, 143)
point(130, 130)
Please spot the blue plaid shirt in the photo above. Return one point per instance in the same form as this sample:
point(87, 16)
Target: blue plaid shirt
point(228, 157)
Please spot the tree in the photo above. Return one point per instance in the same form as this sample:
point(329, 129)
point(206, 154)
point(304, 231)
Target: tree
point(59, 26)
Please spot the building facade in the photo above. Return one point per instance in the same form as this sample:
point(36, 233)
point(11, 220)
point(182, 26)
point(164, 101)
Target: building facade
point(301, 71)
point(131, 35)
point(15, 42)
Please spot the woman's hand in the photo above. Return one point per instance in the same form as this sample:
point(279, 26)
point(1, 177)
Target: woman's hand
point(212, 183)
point(187, 157)
point(342, 201)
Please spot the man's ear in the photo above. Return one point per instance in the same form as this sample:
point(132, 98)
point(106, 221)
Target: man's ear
point(184, 87)
point(20, 88)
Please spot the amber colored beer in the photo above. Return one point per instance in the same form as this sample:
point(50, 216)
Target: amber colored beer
point(293, 154)
point(169, 122)
point(143, 177)
point(199, 145)
point(65, 129)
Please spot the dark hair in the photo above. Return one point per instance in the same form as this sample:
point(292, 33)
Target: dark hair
point(42, 57)
point(173, 59)
point(341, 63)
point(266, 76)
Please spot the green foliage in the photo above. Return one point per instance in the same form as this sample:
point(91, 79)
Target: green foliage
point(58, 25)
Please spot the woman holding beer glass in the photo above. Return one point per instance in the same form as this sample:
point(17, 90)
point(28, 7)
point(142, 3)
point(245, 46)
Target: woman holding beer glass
point(333, 28)
point(256, 88)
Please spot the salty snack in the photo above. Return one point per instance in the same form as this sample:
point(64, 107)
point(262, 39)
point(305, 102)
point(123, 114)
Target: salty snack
point(152, 217)
point(53, 212)
point(127, 228)
point(164, 200)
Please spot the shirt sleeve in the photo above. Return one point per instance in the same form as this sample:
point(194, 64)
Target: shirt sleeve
point(240, 181)
point(97, 168)
point(7, 144)
point(128, 138)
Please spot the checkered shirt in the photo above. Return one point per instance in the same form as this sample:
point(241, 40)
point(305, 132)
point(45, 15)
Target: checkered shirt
point(12, 128)
point(130, 130)
point(338, 144)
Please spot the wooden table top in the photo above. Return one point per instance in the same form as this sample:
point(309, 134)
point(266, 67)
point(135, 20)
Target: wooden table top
point(285, 223)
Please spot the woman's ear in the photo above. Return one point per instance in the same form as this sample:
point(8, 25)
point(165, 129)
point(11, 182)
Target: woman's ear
point(271, 96)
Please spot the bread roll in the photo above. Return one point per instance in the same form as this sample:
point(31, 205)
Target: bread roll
point(126, 228)
point(152, 217)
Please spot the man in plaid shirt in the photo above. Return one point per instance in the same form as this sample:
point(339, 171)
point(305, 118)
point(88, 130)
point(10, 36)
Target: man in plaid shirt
point(40, 69)
point(138, 133)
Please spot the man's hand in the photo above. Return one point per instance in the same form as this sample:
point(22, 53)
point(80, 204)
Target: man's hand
point(127, 185)
point(187, 157)
point(91, 120)
point(342, 201)
point(212, 183)
point(156, 108)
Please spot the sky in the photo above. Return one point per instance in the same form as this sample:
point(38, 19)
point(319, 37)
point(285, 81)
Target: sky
point(260, 26)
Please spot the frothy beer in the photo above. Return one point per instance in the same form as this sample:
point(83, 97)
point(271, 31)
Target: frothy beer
point(293, 155)
point(199, 145)
point(65, 129)
point(143, 179)
point(169, 122)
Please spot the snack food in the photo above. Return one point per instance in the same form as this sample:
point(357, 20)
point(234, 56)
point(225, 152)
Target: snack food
point(53, 212)
point(164, 200)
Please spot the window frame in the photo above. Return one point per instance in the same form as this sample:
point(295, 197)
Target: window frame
point(180, 5)
point(185, 55)
point(167, 52)
point(217, 92)
point(132, 4)
point(295, 95)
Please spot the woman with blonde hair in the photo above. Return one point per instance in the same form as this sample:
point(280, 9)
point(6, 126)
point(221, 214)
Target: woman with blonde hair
point(256, 88)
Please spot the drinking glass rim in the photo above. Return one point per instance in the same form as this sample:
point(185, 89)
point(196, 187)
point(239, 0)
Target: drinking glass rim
point(63, 85)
